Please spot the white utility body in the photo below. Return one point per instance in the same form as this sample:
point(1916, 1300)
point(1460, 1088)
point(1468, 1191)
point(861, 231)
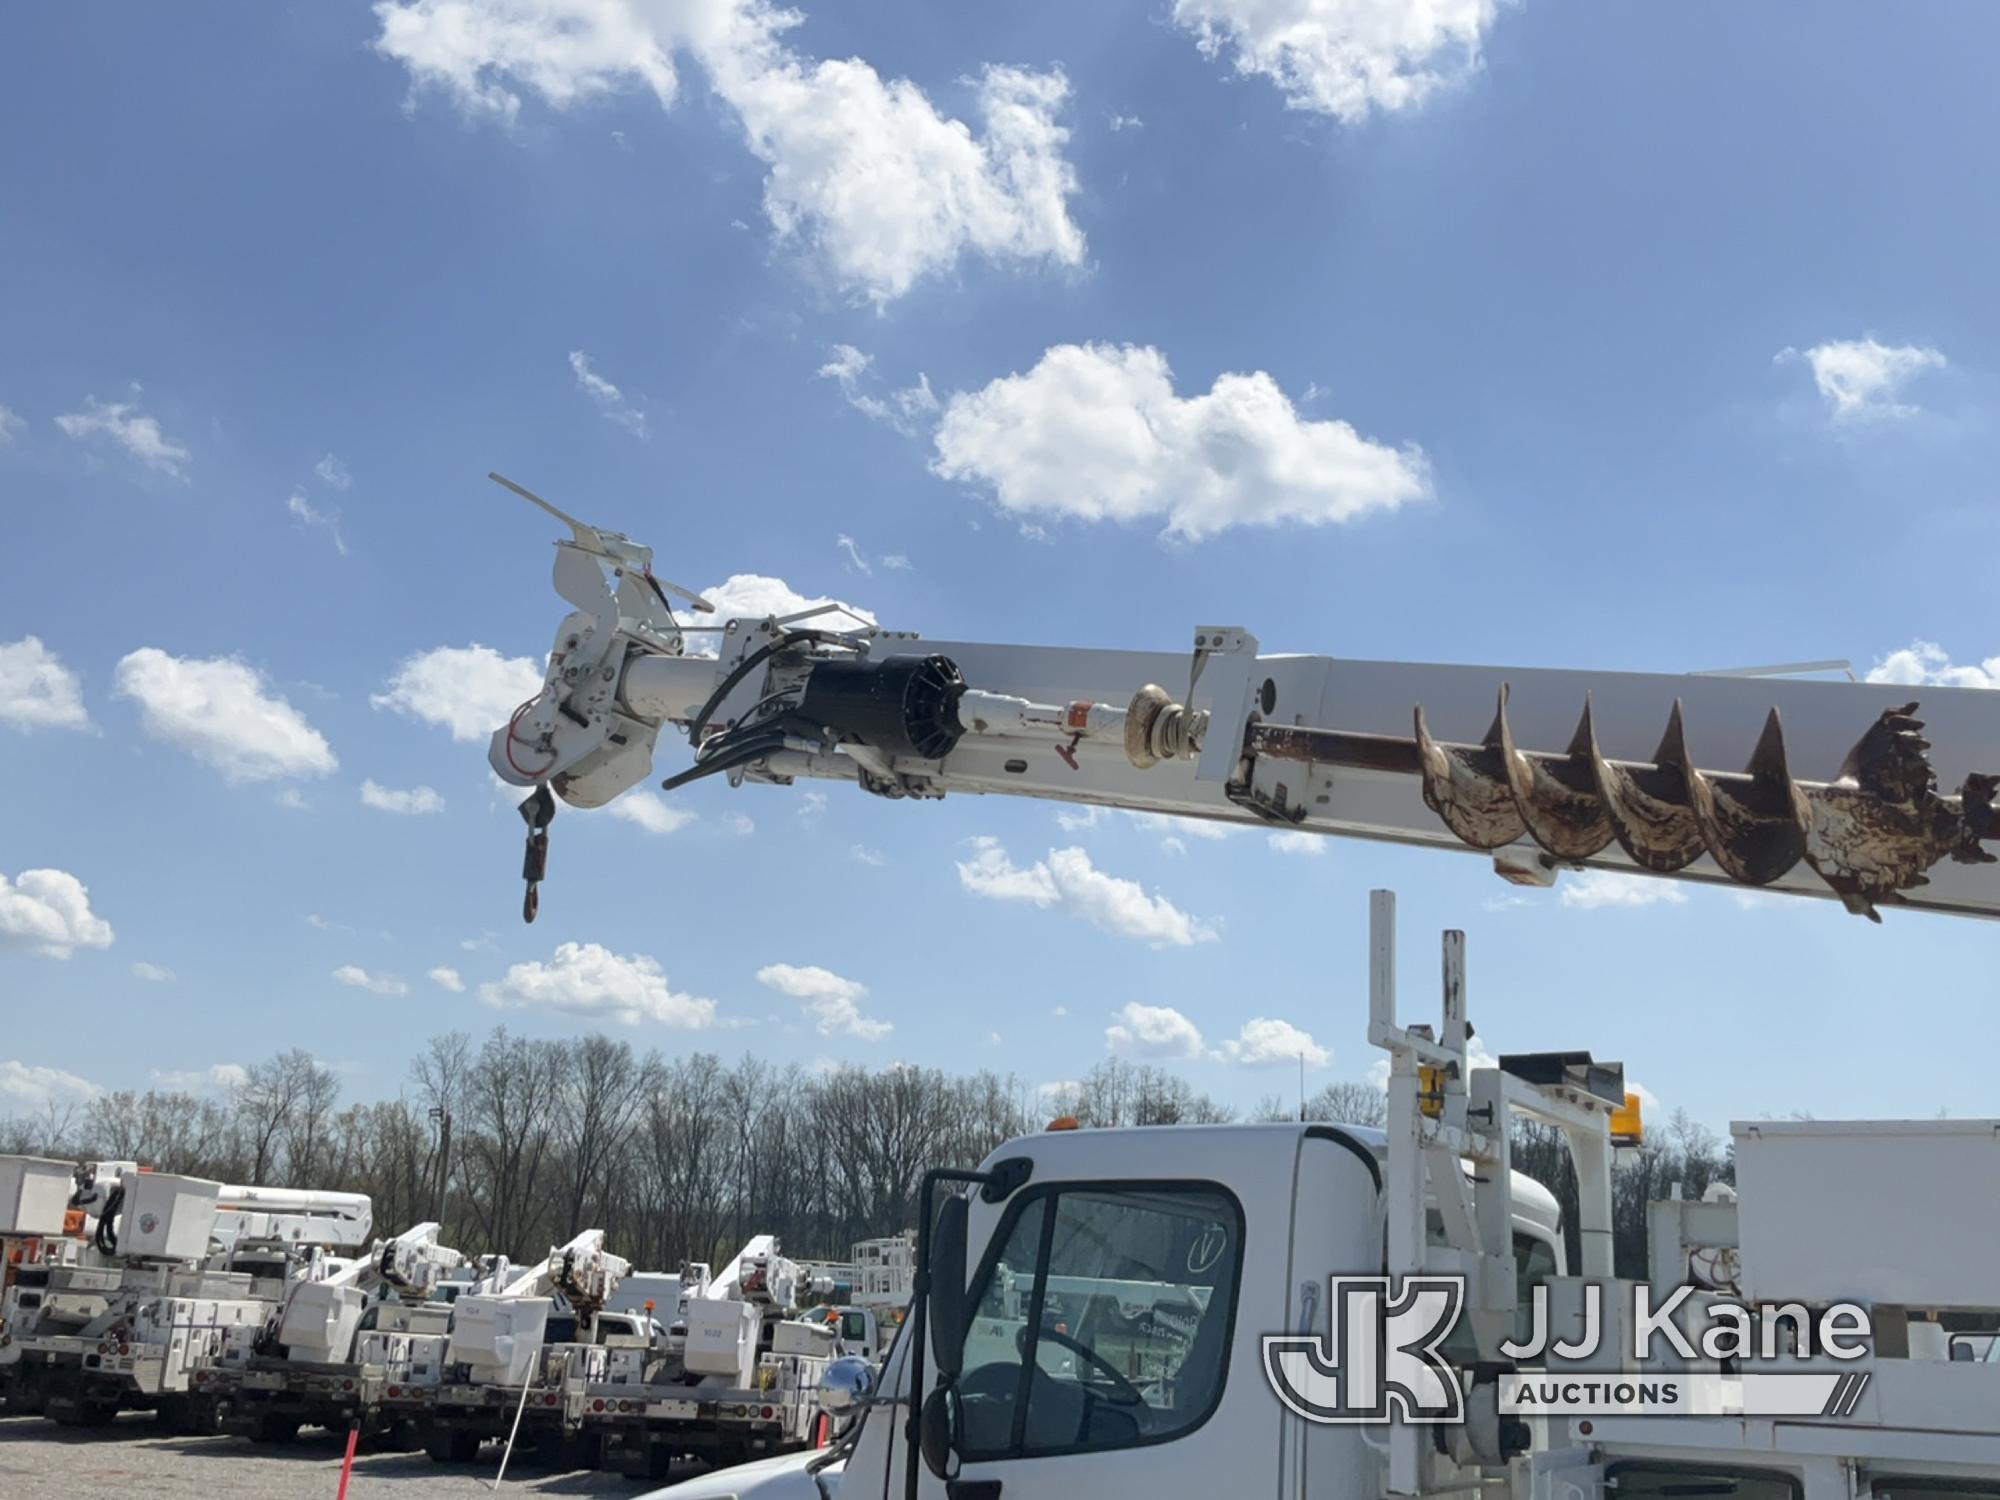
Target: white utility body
point(149, 1281)
point(329, 1350)
point(521, 1350)
point(739, 1375)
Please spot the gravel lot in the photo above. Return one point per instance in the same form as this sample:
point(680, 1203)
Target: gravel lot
point(40, 1461)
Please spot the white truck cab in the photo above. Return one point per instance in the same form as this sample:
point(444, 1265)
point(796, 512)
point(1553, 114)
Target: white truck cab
point(1139, 1271)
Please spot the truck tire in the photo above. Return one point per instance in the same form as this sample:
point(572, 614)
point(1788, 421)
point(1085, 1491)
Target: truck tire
point(76, 1411)
point(448, 1445)
point(187, 1416)
point(562, 1452)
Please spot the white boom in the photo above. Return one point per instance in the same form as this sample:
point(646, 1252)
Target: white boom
point(582, 1270)
point(1542, 769)
point(758, 1273)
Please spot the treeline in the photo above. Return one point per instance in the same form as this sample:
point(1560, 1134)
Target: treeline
point(517, 1144)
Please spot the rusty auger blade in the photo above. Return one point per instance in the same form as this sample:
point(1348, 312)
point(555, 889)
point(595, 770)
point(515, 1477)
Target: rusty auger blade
point(1871, 833)
point(1648, 805)
point(1754, 826)
point(1467, 785)
point(1557, 795)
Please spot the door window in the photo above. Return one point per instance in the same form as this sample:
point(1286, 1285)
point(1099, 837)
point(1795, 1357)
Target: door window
point(1102, 1319)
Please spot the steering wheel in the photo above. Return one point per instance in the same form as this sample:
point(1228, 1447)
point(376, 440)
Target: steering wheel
point(1123, 1392)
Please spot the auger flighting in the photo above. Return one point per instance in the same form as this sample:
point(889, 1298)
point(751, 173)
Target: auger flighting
point(1840, 796)
point(1871, 833)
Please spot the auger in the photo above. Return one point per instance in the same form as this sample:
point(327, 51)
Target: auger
point(1320, 744)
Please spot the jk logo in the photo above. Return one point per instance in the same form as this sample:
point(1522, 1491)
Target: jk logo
point(1379, 1357)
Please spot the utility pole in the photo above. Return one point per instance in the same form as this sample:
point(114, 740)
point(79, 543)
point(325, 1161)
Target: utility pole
point(441, 1192)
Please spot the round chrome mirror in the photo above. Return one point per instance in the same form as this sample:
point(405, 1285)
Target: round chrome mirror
point(846, 1386)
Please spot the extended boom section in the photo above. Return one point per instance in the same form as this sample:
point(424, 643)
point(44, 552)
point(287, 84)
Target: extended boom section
point(1839, 789)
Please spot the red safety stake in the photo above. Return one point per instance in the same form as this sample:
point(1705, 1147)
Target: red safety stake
point(347, 1464)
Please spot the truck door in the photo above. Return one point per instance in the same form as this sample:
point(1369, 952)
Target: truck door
point(1336, 1230)
point(1104, 1324)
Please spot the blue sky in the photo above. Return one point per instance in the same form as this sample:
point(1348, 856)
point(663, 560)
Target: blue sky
point(1662, 345)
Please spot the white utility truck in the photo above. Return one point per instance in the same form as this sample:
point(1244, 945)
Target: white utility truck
point(522, 1348)
point(171, 1269)
point(1842, 796)
point(309, 1365)
point(1144, 1314)
point(736, 1378)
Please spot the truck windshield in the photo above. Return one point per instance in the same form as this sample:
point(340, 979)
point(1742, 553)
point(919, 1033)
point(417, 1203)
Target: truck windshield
point(1102, 1321)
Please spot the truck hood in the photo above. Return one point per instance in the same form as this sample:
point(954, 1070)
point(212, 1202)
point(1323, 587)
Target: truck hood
point(780, 1478)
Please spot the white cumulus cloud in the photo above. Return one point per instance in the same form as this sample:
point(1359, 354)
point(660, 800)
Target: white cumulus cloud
point(1069, 880)
point(1298, 841)
point(1861, 378)
point(1588, 890)
point(123, 424)
point(1345, 58)
point(834, 1003)
point(585, 979)
point(416, 801)
point(356, 977)
point(36, 690)
point(1926, 664)
point(220, 711)
point(35, 1086)
point(863, 172)
point(219, 1078)
point(1095, 432)
point(468, 690)
point(12, 425)
point(447, 978)
point(152, 973)
point(650, 811)
point(48, 911)
point(1155, 1031)
point(1265, 1042)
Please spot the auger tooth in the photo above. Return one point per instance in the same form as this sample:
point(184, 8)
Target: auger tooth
point(1467, 787)
point(1557, 795)
point(1648, 806)
point(1880, 823)
point(1755, 832)
point(1979, 801)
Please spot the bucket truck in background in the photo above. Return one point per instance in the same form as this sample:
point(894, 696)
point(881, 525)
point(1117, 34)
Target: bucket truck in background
point(523, 1346)
point(168, 1271)
point(734, 1381)
point(332, 1346)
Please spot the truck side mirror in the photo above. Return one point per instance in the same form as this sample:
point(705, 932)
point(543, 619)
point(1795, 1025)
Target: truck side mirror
point(845, 1386)
point(947, 1297)
point(939, 1429)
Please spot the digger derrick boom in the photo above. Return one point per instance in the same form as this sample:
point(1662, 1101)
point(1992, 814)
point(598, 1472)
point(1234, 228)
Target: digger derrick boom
point(1872, 794)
